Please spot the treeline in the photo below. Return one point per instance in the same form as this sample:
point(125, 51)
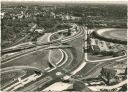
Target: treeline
point(63, 26)
point(103, 10)
point(99, 16)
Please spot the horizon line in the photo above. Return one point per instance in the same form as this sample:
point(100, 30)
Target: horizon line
point(47, 1)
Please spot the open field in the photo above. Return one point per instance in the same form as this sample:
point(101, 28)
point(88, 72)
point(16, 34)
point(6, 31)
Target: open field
point(37, 59)
point(119, 34)
point(55, 55)
point(115, 35)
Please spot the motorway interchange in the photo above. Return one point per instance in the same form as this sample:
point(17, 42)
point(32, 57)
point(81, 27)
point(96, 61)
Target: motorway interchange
point(78, 58)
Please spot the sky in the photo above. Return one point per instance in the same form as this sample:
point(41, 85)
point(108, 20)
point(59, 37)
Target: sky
point(74, 1)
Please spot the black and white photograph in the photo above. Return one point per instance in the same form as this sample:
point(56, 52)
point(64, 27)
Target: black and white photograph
point(63, 46)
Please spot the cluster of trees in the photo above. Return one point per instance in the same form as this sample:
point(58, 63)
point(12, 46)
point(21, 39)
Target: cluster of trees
point(108, 14)
point(107, 74)
point(80, 10)
point(12, 30)
point(64, 26)
point(47, 22)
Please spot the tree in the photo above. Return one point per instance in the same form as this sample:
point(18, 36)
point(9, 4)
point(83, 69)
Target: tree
point(125, 74)
point(124, 88)
point(38, 72)
point(125, 71)
point(107, 75)
point(69, 32)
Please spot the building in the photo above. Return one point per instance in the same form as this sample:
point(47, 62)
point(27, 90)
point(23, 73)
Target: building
point(40, 30)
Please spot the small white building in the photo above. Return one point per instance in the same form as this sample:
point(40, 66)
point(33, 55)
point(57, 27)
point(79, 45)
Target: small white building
point(40, 30)
point(2, 14)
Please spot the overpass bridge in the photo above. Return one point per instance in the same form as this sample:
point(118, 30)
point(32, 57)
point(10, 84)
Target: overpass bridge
point(75, 41)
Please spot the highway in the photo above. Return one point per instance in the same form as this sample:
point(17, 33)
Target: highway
point(93, 70)
point(68, 66)
point(51, 73)
point(60, 68)
point(103, 60)
point(67, 59)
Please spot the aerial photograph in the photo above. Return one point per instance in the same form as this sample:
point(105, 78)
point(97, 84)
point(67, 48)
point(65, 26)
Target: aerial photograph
point(63, 46)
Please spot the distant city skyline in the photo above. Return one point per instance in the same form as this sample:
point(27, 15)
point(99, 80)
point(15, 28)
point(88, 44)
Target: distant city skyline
point(72, 1)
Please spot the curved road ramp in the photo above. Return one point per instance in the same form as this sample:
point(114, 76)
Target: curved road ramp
point(42, 62)
point(61, 61)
